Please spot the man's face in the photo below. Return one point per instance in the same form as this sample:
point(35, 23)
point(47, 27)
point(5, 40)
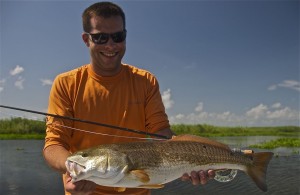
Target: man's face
point(106, 58)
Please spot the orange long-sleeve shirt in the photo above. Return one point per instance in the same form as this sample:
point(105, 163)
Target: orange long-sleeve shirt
point(130, 99)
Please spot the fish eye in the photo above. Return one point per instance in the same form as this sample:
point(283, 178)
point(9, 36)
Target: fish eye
point(84, 155)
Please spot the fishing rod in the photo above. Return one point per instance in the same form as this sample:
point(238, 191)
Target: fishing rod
point(86, 121)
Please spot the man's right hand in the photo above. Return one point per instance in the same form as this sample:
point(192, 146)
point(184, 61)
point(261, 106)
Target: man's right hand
point(82, 187)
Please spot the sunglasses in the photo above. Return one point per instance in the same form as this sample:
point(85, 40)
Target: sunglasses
point(102, 38)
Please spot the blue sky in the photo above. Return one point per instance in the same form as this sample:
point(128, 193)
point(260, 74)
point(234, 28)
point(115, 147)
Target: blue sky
point(227, 63)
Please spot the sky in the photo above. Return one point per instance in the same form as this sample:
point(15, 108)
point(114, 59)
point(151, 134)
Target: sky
point(219, 62)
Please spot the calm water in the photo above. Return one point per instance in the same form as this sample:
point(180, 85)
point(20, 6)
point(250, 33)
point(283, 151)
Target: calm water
point(23, 171)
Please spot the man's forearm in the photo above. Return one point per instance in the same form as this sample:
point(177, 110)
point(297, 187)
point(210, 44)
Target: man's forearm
point(56, 157)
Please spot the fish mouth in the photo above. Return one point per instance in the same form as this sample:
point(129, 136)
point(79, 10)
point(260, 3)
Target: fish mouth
point(74, 169)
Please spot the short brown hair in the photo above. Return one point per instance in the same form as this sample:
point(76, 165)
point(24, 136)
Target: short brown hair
point(103, 9)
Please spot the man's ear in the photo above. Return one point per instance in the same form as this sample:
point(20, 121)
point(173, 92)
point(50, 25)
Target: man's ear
point(86, 40)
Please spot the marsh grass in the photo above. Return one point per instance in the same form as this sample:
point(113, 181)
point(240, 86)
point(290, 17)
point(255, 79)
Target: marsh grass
point(21, 136)
point(213, 131)
point(20, 128)
point(281, 142)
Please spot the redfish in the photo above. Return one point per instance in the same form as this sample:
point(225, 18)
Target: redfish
point(150, 164)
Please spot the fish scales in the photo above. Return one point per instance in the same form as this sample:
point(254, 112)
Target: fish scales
point(150, 164)
point(152, 154)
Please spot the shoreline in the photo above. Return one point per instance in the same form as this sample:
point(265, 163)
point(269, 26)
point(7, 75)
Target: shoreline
point(199, 130)
point(288, 136)
point(15, 136)
point(289, 142)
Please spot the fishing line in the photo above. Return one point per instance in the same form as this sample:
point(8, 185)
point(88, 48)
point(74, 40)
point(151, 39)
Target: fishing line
point(221, 176)
point(82, 130)
point(86, 121)
point(120, 136)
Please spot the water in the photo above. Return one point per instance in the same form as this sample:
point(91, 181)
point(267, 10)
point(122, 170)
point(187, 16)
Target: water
point(283, 179)
point(23, 171)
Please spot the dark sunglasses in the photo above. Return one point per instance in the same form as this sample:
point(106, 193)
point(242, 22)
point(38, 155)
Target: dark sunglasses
point(102, 38)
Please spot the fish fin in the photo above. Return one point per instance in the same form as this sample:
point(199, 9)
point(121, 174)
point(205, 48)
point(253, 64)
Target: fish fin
point(152, 186)
point(195, 138)
point(258, 170)
point(119, 189)
point(141, 175)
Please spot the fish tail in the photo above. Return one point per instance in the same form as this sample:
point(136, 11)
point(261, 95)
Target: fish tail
point(258, 170)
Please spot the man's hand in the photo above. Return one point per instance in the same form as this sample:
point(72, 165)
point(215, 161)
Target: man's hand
point(200, 177)
point(83, 187)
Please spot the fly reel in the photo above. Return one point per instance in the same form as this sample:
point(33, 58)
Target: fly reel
point(225, 175)
point(229, 174)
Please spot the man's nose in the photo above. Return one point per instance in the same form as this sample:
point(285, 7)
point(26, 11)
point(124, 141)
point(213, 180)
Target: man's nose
point(110, 42)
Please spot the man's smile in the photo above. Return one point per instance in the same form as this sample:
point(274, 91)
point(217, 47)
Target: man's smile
point(109, 54)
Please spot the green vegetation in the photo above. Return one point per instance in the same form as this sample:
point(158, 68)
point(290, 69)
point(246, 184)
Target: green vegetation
point(213, 131)
point(281, 142)
point(22, 136)
point(20, 128)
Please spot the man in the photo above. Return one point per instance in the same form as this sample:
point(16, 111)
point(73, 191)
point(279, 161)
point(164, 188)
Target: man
point(107, 91)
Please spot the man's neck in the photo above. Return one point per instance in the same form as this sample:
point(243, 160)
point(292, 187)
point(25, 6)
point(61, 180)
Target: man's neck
point(106, 73)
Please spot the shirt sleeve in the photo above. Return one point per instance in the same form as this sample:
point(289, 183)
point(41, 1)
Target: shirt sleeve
point(58, 131)
point(156, 117)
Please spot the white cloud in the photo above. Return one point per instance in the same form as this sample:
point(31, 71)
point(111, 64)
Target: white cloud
point(290, 84)
point(199, 107)
point(2, 82)
point(19, 83)
point(224, 116)
point(284, 113)
point(17, 70)
point(191, 66)
point(261, 114)
point(272, 87)
point(166, 98)
point(179, 116)
point(46, 82)
point(276, 105)
point(257, 111)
